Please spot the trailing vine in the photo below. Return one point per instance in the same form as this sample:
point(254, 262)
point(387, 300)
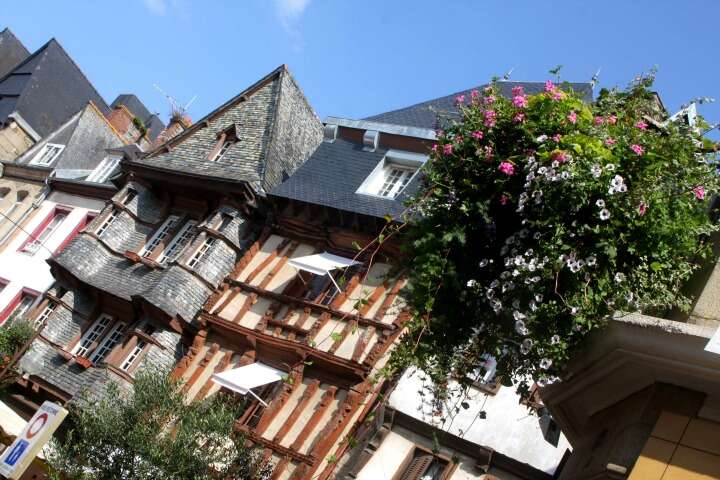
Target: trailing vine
point(541, 217)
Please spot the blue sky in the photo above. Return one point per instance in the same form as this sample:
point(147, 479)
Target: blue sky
point(358, 58)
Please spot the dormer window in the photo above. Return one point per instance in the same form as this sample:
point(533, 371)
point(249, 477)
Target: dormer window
point(104, 169)
point(47, 154)
point(223, 150)
point(225, 140)
point(392, 174)
point(395, 179)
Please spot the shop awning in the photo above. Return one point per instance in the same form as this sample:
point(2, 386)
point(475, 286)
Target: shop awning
point(244, 379)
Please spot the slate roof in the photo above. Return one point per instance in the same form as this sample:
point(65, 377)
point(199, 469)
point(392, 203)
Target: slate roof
point(276, 127)
point(172, 289)
point(137, 107)
point(86, 136)
point(46, 89)
point(12, 52)
point(332, 175)
point(425, 114)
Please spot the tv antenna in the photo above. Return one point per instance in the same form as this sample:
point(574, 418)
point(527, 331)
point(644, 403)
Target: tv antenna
point(176, 108)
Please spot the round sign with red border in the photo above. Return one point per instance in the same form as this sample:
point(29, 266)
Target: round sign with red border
point(34, 427)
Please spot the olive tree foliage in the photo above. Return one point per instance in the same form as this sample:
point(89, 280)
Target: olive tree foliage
point(151, 432)
point(541, 217)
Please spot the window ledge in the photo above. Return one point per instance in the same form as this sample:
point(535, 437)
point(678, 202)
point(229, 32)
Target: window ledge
point(133, 256)
point(83, 362)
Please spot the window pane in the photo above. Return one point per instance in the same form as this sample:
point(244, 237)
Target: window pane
point(91, 335)
point(159, 236)
point(111, 339)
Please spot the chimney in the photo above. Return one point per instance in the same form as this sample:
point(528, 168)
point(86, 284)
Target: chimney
point(178, 124)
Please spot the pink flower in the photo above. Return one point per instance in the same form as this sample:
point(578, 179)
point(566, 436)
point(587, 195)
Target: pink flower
point(458, 139)
point(490, 118)
point(519, 117)
point(448, 149)
point(556, 138)
point(507, 168)
point(520, 101)
point(488, 89)
point(504, 198)
point(489, 99)
point(488, 152)
point(699, 192)
point(642, 208)
point(516, 91)
point(612, 119)
point(637, 149)
point(610, 141)
point(599, 121)
point(477, 134)
point(549, 86)
point(557, 95)
point(460, 99)
point(559, 156)
point(474, 95)
point(572, 117)
point(434, 147)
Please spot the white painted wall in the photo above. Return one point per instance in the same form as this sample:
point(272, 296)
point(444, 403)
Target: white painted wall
point(22, 270)
point(509, 427)
point(400, 442)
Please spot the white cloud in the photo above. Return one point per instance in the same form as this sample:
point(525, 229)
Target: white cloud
point(289, 13)
point(157, 7)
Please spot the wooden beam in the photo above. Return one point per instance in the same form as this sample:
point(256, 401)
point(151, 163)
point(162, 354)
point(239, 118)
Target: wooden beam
point(289, 386)
point(297, 411)
point(268, 260)
point(320, 410)
point(280, 264)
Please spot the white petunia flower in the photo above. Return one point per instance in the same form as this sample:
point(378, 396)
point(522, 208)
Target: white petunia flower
point(483, 262)
point(555, 339)
point(471, 283)
point(610, 167)
point(545, 363)
point(591, 260)
point(619, 277)
point(520, 328)
point(604, 214)
point(596, 170)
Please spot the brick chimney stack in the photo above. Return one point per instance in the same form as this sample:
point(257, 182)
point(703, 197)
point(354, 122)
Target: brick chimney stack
point(178, 124)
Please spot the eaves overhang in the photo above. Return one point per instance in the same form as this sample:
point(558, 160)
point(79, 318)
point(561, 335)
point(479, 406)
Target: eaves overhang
point(633, 352)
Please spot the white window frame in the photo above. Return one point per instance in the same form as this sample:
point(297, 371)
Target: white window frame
point(54, 149)
point(23, 306)
point(395, 179)
point(201, 251)
point(107, 222)
point(101, 173)
point(47, 311)
point(33, 244)
point(93, 333)
point(223, 150)
point(112, 338)
point(129, 196)
point(179, 241)
point(408, 163)
point(159, 235)
point(133, 355)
